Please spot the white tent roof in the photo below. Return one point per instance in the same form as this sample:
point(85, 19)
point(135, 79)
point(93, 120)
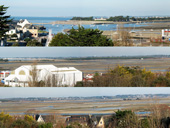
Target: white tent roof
point(20, 78)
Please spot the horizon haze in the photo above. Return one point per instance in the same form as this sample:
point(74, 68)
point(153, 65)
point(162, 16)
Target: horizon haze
point(56, 8)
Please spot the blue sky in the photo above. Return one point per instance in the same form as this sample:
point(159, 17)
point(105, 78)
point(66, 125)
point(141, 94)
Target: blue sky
point(66, 92)
point(87, 7)
point(81, 51)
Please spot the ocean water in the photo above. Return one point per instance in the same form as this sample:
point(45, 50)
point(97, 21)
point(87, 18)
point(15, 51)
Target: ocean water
point(56, 28)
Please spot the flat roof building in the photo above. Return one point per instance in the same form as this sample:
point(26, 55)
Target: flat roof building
point(48, 75)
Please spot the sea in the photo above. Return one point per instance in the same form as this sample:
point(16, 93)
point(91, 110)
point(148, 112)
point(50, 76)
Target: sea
point(57, 28)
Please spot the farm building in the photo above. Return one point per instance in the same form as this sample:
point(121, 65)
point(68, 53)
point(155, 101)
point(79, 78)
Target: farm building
point(49, 75)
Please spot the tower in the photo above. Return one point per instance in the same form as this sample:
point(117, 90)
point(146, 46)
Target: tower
point(49, 38)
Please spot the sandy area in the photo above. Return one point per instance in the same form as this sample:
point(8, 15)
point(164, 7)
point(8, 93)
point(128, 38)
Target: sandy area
point(99, 65)
point(78, 106)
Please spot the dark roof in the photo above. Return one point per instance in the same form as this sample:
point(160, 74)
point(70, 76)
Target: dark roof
point(95, 118)
point(21, 21)
point(18, 26)
point(78, 118)
point(37, 116)
point(11, 27)
point(29, 26)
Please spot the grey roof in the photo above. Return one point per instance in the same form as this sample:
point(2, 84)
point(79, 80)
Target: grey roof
point(21, 21)
point(18, 26)
point(96, 118)
point(29, 26)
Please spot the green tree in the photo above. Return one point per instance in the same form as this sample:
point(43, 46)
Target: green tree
point(29, 118)
point(46, 125)
point(20, 124)
point(60, 40)
point(81, 37)
point(27, 39)
point(34, 43)
point(126, 119)
point(5, 120)
point(15, 44)
point(161, 81)
point(4, 21)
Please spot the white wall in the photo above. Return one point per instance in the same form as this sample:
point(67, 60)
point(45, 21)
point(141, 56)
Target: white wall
point(65, 76)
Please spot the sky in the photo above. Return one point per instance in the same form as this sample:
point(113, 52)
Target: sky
point(7, 52)
point(55, 8)
point(83, 92)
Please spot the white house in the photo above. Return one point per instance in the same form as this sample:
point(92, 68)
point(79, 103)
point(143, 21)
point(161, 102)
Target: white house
point(49, 74)
point(22, 23)
point(15, 31)
point(39, 119)
point(4, 74)
point(100, 19)
point(11, 32)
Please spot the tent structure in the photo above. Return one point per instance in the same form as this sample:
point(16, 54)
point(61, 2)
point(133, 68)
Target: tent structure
point(49, 75)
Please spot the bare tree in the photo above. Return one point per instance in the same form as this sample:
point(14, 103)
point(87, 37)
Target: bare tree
point(34, 73)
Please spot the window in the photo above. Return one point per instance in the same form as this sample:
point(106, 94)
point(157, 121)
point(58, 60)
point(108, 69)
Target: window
point(16, 80)
point(21, 72)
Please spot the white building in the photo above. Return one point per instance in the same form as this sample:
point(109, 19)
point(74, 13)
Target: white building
point(166, 33)
point(22, 23)
point(4, 74)
point(15, 31)
point(49, 74)
point(100, 19)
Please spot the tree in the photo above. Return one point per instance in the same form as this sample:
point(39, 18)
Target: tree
point(161, 81)
point(27, 39)
point(15, 44)
point(60, 40)
point(4, 20)
point(34, 43)
point(5, 120)
point(126, 119)
point(34, 72)
point(81, 37)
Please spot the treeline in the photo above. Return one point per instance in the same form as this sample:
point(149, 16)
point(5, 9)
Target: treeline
point(123, 76)
point(5, 60)
point(128, 18)
point(112, 57)
point(7, 121)
point(158, 118)
point(119, 18)
point(124, 18)
point(83, 18)
point(81, 37)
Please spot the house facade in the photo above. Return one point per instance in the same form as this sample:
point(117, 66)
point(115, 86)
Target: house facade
point(49, 74)
point(4, 74)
